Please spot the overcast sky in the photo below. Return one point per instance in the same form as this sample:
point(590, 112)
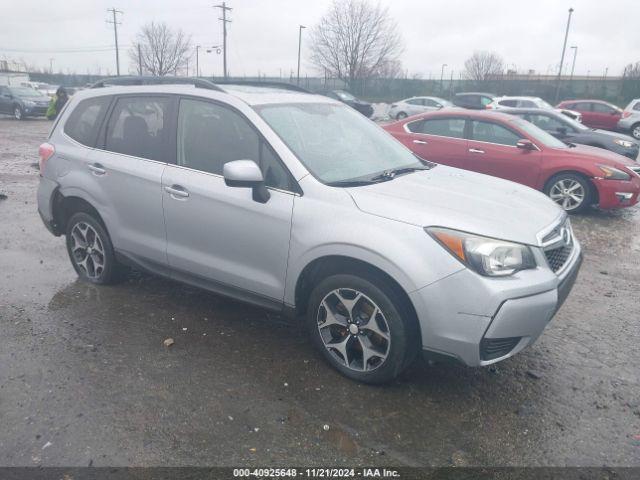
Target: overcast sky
point(264, 34)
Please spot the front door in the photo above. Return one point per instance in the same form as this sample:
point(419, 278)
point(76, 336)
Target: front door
point(492, 150)
point(220, 233)
point(5, 100)
point(605, 116)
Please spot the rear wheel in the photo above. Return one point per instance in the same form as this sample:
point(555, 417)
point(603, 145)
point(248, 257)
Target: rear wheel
point(401, 115)
point(635, 131)
point(573, 192)
point(90, 250)
point(361, 328)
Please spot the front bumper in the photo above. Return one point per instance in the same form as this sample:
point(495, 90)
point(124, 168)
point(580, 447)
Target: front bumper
point(37, 111)
point(494, 318)
point(617, 193)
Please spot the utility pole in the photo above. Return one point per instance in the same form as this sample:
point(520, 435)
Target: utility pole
point(224, 9)
point(51, 65)
point(115, 34)
point(139, 60)
point(564, 47)
point(442, 77)
point(300, 27)
point(197, 61)
point(573, 66)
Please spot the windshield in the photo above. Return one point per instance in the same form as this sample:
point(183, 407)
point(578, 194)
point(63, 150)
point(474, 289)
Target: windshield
point(539, 135)
point(335, 142)
point(25, 92)
point(543, 104)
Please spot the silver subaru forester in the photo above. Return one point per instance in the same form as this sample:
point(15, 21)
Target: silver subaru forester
point(298, 204)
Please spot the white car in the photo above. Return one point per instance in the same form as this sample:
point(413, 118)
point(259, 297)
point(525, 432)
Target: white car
point(414, 105)
point(505, 102)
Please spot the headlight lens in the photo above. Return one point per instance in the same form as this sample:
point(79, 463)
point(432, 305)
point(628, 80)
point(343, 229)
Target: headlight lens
point(612, 173)
point(487, 256)
point(623, 143)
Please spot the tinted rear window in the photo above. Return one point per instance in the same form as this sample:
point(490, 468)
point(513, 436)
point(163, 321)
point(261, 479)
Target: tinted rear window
point(84, 122)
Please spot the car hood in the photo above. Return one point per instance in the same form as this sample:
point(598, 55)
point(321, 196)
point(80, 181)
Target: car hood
point(462, 200)
point(613, 135)
point(35, 98)
point(598, 155)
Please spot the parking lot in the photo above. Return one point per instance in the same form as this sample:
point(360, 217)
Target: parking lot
point(86, 380)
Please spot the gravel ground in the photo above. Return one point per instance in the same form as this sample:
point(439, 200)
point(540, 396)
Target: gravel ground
point(85, 378)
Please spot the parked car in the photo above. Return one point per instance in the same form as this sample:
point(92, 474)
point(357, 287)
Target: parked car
point(630, 120)
point(414, 105)
point(363, 107)
point(502, 103)
point(570, 131)
point(574, 176)
point(473, 100)
point(595, 113)
point(296, 203)
point(23, 102)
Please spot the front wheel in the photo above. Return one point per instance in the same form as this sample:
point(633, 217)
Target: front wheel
point(401, 116)
point(18, 114)
point(90, 250)
point(361, 328)
point(635, 131)
point(571, 191)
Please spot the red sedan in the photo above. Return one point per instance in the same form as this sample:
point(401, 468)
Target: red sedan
point(595, 113)
point(506, 146)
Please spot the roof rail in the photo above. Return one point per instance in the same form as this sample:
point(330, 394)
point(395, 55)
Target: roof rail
point(149, 80)
point(261, 83)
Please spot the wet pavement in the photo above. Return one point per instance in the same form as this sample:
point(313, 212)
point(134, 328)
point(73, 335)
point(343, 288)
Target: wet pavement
point(85, 378)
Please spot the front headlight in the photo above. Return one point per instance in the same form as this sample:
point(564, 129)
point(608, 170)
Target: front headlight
point(623, 143)
point(611, 173)
point(487, 256)
point(30, 103)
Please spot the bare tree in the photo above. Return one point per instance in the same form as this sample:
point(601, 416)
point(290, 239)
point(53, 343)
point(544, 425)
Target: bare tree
point(483, 66)
point(632, 71)
point(162, 50)
point(356, 40)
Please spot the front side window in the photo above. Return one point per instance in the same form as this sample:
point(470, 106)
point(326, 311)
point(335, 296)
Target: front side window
point(336, 143)
point(636, 106)
point(210, 135)
point(538, 135)
point(527, 104)
point(84, 121)
point(602, 108)
point(546, 122)
point(415, 101)
point(137, 127)
point(493, 133)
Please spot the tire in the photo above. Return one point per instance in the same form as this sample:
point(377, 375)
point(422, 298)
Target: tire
point(90, 250)
point(390, 345)
point(18, 113)
point(564, 188)
point(635, 131)
point(401, 116)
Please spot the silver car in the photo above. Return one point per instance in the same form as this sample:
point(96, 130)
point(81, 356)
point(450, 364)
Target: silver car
point(630, 121)
point(505, 102)
point(414, 105)
point(297, 203)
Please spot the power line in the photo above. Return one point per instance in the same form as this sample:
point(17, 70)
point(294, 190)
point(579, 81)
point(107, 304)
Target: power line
point(224, 9)
point(115, 34)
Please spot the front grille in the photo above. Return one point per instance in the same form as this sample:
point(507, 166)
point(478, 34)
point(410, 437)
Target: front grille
point(557, 257)
point(635, 169)
point(491, 348)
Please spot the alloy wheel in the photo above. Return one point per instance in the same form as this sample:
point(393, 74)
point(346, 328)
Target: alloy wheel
point(87, 250)
point(17, 113)
point(567, 193)
point(636, 132)
point(354, 329)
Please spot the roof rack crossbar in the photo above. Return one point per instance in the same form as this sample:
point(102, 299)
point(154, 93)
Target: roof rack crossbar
point(263, 83)
point(149, 80)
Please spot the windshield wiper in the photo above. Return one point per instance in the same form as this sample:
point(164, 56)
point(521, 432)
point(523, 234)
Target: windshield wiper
point(391, 174)
point(350, 183)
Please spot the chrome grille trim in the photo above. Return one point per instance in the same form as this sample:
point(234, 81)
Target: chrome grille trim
point(558, 245)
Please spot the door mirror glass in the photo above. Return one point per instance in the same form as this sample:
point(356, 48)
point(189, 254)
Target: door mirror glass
point(525, 144)
point(247, 174)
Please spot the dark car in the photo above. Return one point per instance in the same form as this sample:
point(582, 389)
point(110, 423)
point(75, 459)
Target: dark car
point(473, 100)
point(570, 131)
point(363, 107)
point(22, 102)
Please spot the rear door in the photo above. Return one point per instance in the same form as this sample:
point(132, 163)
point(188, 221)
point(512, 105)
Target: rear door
point(217, 233)
point(439, 140)
point(492, 150)
point(128, 168)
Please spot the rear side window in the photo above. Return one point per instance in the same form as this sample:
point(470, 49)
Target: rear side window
point(636, 106)
point(84, 121)
point(493, 133)
point(508, 103)
point(443, 127)
point(527, 104)
point(210, 135)
point(138, 127)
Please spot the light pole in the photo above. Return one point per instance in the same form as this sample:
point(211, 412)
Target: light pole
point(442, 76)
point(197, 61)
point(300, 27)
point(573, 66)
point(564, 48)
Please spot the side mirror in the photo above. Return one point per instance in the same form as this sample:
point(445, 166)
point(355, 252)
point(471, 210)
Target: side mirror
point(526, 144)
point(246, 174)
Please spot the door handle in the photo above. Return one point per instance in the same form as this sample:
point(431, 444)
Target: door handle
point(420, 142)
point(176, 191)
point(96, 168)
point(475, 150)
